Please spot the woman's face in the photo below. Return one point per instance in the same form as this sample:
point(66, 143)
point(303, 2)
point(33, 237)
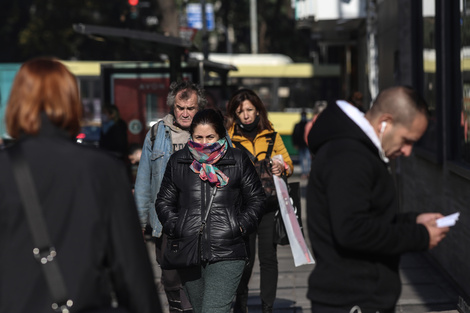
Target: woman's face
point(205, 133)
point(246, 112)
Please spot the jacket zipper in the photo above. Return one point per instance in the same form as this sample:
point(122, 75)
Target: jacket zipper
point(205, 232)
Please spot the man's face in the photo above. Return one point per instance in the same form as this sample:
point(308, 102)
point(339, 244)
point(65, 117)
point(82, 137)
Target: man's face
point(185, 109)
point(398, 139)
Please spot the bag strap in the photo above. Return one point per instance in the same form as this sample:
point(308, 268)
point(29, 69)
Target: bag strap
point(214, 191)
point(44, 252)
point(238, 145)
point(153, 133)
point(271, 140)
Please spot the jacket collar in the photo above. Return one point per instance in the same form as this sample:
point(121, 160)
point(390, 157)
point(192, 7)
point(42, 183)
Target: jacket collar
point(240, 138)
point(48, 129)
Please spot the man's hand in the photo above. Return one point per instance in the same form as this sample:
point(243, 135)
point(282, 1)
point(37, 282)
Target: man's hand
point(428, 217)
point(436, 234)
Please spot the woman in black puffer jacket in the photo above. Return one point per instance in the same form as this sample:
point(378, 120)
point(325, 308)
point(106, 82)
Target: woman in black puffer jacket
point(209, 162)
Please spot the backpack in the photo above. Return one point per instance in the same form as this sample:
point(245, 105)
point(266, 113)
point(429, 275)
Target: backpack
point(263, 167)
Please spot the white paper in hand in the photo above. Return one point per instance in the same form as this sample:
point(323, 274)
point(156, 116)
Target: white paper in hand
point(448, 220)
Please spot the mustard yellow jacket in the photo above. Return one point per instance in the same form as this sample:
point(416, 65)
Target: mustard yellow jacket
point(259, 146)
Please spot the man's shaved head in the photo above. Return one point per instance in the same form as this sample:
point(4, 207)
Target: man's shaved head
point(399, 118)
point(401, 102)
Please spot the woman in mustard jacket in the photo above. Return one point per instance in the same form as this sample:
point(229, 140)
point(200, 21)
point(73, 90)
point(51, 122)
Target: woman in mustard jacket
point(250, 130)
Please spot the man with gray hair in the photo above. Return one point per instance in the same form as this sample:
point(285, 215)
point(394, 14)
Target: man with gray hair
point(165, 137)
point(355, 228)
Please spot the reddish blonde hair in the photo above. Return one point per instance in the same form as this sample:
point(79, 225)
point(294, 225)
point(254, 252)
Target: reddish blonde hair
point(43, 85)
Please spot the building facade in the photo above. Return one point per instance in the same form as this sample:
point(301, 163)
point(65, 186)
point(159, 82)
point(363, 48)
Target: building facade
point(424, 44)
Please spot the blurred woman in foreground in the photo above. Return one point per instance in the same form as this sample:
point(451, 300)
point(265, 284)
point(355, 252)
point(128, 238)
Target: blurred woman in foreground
point(85, 199)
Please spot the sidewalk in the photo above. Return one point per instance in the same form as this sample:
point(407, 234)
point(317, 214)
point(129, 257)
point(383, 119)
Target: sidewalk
point(424, 289)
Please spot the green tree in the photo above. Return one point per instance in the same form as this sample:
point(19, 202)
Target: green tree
point(44, 27)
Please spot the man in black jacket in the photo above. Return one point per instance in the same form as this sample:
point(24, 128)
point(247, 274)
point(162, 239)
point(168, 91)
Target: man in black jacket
point(355, 229)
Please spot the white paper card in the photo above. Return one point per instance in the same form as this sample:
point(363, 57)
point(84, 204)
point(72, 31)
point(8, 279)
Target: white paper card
point(448, 220)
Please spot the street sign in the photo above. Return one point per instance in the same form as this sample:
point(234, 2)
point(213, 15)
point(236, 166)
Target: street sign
point(187, 33)
point(193, 11)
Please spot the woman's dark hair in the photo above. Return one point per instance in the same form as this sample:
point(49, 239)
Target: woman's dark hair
point(237, 99)
point(209, 117)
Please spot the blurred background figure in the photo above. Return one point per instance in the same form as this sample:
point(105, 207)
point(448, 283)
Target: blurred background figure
point(356, 99)
point(317, 109)
point(86, 201)
point(301, 145)
point(113, 132)
point(133, 155)
point(135, 151)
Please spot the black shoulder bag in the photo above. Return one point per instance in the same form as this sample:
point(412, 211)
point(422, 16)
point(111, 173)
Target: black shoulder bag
point(44, 252)
point(263, 167)
point(185, 251)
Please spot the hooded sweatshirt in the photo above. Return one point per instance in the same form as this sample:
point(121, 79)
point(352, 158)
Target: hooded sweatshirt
point(355, 230)
point(179, 137)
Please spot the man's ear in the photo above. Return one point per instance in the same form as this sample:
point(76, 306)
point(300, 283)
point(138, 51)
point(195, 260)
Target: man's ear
point(383, 122)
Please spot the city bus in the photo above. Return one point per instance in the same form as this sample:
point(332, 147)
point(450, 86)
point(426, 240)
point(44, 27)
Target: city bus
point(139, 89)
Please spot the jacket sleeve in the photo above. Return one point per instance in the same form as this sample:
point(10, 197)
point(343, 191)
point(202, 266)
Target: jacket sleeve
point(127, 255)
point(280, 148)
point(167, 198)
point(142, 187)
point(360, 222)
point(253, 197)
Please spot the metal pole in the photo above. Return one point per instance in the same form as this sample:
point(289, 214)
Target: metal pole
point(205, 47)
point(254, 27)
point(372, 49)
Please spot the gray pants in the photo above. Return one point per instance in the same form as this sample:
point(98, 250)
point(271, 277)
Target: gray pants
point(211, 287)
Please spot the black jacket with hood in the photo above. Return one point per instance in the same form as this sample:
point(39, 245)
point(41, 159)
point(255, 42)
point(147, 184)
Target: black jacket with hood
point(355, 230)
point(183, 198)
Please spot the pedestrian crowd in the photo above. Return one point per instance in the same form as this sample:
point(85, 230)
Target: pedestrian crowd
point(203, 190)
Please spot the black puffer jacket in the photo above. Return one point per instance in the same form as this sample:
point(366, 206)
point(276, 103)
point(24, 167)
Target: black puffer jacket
point(183, 198)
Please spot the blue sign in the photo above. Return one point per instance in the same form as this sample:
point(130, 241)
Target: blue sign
point(193, 11)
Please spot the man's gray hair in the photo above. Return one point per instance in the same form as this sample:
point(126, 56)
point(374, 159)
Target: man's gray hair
point(188, 88)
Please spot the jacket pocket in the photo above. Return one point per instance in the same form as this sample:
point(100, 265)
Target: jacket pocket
point(157, 159)
point(180, 223)
point(234, 225)
point(156, 154)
